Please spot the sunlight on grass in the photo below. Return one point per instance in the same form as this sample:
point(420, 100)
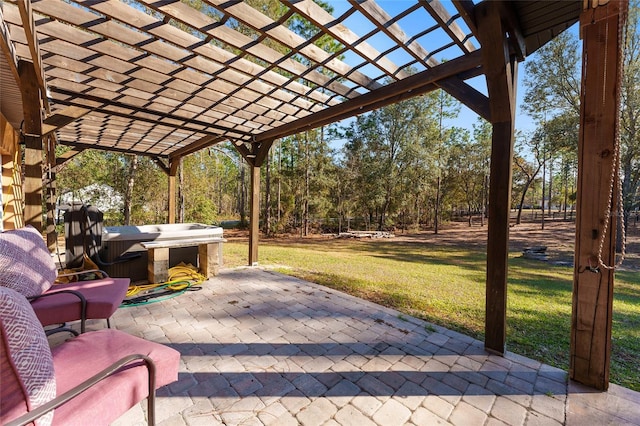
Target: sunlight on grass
point(446, 286)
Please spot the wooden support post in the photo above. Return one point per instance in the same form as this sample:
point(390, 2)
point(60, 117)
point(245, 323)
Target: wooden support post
point(11, 212)
point(174, 163)
point(254, 226)
point(158, 264)
point(590, 353)
point(52, 235)
point(210, 259)
point(32, 133)
point(500, 71)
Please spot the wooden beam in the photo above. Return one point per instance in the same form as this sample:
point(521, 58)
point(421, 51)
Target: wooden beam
point(590, 353)
point(258, 21)
point(466, 10)
point(29, 27)
point(406, 87)
point(245, 152)
point(262, 151)
point(162, 165)
point(10, 170)
point(8, 49)
point(79, 146)
point(201, 143)
point(475, 101)
point(174, 164)
point(512, 26)
point(442, 16)
point(392, 29)
point(254, 225)
point(63, 117)
point(51, 195)
point(63, 158)
point(469, 96)
point(336, 29)
point(32, 131)
point(500, 71)
point(134, 113)
point(455, 85)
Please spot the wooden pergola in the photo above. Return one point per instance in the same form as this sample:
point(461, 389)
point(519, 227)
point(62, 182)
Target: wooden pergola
point(163, 79)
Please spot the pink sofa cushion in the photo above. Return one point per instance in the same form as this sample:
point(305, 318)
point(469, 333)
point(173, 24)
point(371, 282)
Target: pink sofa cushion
point(103, 298)
point(25, 263)
point(83, 356)
point(27, 365)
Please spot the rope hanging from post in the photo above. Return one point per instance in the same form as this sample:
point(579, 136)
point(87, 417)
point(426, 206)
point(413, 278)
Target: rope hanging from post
point(616, 162)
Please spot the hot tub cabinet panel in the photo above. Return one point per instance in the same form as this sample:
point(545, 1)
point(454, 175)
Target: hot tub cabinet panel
point(117, 240)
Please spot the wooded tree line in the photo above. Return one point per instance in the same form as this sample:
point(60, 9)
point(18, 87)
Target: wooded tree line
point(405, 166)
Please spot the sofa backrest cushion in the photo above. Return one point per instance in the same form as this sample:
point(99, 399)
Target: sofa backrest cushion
point(28, 379)
point(26, 265)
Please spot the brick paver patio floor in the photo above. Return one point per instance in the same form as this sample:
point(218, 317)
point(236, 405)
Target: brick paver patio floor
point(260, 348)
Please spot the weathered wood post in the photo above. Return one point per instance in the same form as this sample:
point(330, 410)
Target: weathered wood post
point(32, 137)
point(174, 163)
point(500, 71)
point(254, 225)
point(601, 27)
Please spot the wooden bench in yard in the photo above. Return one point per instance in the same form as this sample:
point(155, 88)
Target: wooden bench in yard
point(209, 256)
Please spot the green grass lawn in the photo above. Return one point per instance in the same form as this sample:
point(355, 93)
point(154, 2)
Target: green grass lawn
point(446, 286)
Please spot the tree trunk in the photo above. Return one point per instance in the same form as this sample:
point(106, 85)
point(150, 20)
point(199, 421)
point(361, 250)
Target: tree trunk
point(133, 165)
point(566, 190)
point(544, 182)
point(485, 188)
point(550, 185)
point(279, 212)
point(627, 203)
point(436, 219)
point(307, 178)
point(524, 194)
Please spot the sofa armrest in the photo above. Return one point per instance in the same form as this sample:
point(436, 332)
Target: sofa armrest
point(77, 390)
point(83, 307)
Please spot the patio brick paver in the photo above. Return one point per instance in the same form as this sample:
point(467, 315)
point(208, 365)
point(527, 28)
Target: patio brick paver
point(261, 348)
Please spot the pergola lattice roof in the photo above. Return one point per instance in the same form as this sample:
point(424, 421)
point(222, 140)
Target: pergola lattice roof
point(163, 78)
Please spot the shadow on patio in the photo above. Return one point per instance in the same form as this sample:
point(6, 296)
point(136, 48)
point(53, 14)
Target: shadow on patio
point(263, 348)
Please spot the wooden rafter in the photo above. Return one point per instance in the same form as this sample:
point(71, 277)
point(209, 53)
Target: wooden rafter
point(67, 156)
point(162, 165)
point(26, 14)
point(250, 47)
point(259, 22)
point(63, 117)
point(120, 109)
point(8, 49)
point(465, 9)
point(449, 25)
point(391, 28)
point(515, 33)
point(201, 143)
point(80, 146)
point(388, 94)
point(245, 152)
point(459, 89)
point(316, 14)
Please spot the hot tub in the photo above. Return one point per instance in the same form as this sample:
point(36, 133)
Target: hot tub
point(119, 240)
